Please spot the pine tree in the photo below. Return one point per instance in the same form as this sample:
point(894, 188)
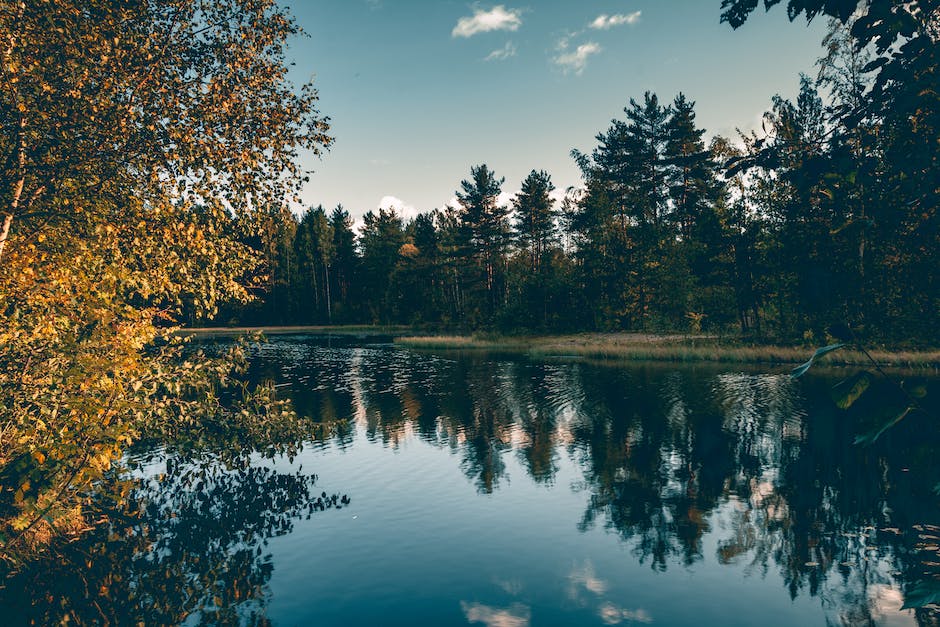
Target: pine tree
point(381, 240)
point(314, 245)
point(691, 174)
point(535, 226)
point(485, 237)
point(345, 265)
point(701, 241)
point(625, 240)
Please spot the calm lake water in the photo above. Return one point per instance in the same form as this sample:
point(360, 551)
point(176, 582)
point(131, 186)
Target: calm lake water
point(504, 492)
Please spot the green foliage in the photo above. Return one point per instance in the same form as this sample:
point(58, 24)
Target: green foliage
point(847, 392)
point(890, 407)
point(861, 198)
point(888, 420)
point(131, 133)
point(921, 594)
point(736, 12)
point(799, 371)
point(646, 230)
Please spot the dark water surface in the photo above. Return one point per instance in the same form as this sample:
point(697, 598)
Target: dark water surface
point(508, 492)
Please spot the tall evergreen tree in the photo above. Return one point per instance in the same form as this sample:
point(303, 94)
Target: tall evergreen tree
point(381, 241)
point(624, 219)
point(345, 265)
point(452, 264)
point(648, 132)
point(485, 237)
point(701, 241)
point(314, 246)
point(691, 172)
point(535, 231)
point(535, 227)
point(270, 232)
point(418, 280)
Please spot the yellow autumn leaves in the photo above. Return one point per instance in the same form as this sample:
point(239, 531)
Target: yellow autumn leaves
point(126, 193)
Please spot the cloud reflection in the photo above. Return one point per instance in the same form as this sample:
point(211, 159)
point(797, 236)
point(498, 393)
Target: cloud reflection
point(585, 578)
point(517, 615)
point(613, 615)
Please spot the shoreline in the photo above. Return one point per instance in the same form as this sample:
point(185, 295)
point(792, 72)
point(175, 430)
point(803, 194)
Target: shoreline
point(671, 348)
point(353, 329)
point(614, 346)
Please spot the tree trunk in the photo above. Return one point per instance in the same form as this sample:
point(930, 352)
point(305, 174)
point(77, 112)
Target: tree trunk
point(17, 186)
point(20, 148)
point(5, 231)
point(329, 304)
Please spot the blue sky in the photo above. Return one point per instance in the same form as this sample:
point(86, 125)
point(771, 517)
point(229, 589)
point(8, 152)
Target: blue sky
point(418, 91)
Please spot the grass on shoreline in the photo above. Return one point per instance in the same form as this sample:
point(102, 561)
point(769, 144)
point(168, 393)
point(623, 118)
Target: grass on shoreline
point(296, 330)
point(675, 348)
point(604, 346)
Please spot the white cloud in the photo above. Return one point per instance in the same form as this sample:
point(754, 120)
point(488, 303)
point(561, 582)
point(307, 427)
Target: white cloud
point(504, 199)
point(576, 61)
point(500, 54)
point(562, 44)
point(558, 196)
point(606, 22)
point(497, 18)
point(405, 211)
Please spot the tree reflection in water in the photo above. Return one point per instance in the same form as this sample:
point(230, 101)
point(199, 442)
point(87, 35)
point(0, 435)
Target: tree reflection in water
point(670, 455)
point(764, 466)
point(180, 532)
point(189, 543)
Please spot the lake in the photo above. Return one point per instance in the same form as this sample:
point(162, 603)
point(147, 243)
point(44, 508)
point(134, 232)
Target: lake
point(477, 489)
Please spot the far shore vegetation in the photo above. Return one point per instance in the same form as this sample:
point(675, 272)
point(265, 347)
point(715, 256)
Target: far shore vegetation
point(348, 329)
point(617, 346)
point(671, 348)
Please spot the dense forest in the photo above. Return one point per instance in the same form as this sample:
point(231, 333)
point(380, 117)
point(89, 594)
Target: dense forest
point(827, 214)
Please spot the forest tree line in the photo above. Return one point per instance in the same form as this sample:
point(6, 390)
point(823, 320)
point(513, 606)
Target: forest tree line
point(776, 235)
point(828, 214)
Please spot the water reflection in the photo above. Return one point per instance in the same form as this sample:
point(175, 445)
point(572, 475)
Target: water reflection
point(669, 456)
point(684, 466)
point(517, 615)
point(588, 590)
point(186, 544)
